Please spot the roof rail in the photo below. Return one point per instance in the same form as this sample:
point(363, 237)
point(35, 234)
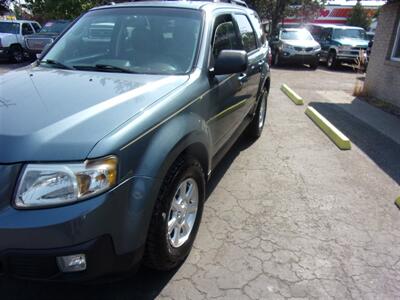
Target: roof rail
point(237, 2)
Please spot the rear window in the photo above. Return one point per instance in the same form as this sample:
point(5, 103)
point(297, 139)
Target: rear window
point(7, 27)
point(54, 27)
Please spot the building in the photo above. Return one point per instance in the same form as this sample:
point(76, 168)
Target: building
point(337, 11)
point(383, 74)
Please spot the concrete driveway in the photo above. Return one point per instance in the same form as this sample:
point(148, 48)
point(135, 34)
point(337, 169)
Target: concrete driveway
point(289, 216)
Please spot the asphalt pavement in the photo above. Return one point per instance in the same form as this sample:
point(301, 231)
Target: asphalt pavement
point(289, 216)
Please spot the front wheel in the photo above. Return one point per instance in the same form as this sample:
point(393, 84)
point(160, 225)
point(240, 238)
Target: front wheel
point(17, 54)
point(314, 64)
point(176, 216)
point(257, 124)
point(277, 61)
point(331, 61)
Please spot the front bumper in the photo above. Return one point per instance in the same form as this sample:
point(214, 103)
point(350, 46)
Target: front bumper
point(299, 58)
point(110, 228)
point(42, 264)
point(348, 55)
point(4, 52)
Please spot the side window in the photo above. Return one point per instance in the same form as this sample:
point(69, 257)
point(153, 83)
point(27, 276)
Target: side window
point(246, 32)
point(225, 38)
point(26, 29)
point(36, 27)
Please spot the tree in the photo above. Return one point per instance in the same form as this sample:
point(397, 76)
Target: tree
point(56, 9)
point(4, 5)
point(306, 10)
point(359, 16)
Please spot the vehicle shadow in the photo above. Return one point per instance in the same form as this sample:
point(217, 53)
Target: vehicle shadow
point(383, 150)
point(144, 284)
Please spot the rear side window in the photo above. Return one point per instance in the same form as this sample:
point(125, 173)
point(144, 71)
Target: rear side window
point(36, 26)
point(26, 29)
point(225, 38)
point(246, 33)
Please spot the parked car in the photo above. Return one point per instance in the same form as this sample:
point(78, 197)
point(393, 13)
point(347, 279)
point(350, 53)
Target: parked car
point(35, 43)
point(295, 45)
point(12, 33)
point(340, 43)
point(109, 138)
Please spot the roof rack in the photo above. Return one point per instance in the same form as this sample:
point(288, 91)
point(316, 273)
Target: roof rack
point(237, 2)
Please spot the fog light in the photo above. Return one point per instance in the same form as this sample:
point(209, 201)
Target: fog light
point(72, 263)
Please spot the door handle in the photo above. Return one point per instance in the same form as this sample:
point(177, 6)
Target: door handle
point(261, 62)
point(242, 77)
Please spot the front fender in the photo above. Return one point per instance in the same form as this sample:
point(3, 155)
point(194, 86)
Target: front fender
point(162, 147)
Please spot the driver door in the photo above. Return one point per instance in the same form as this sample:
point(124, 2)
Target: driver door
point(226, 106)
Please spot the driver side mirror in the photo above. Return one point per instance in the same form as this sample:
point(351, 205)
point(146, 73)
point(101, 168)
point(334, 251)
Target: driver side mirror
point(229, 62)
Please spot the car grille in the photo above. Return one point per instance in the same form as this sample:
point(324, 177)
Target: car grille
point(29, 266)
point(37, 44)
point(308, 49)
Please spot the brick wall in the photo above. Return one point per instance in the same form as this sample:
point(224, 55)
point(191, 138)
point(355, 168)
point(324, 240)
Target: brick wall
point(383, 75)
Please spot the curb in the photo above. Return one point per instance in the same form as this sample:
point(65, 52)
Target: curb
point(397, 202)
point(292, 95)
point(331, 131)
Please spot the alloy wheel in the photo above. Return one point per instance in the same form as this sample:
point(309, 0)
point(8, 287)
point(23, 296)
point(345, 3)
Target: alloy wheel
point(183, 212)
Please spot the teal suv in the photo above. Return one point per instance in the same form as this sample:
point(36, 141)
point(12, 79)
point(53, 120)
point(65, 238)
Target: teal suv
point(109, 139)
point(340, 43)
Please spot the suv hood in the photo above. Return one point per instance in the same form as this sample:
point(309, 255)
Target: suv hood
point(39, 35)
point(356, 43)
point(52, 114)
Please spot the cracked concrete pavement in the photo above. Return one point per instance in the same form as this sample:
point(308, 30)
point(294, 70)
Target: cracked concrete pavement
point(287, 217)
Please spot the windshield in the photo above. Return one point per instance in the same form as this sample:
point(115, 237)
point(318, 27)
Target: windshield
point(349, 34)
point(54, 27)
point(6, 27)
point(296, 35)
point(138, 40)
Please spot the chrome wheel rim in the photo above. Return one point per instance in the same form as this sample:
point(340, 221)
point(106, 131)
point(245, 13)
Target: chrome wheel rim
point(261, 116)
point(183, 212)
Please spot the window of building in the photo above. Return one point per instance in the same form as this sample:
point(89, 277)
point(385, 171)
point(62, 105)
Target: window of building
point(396, 45)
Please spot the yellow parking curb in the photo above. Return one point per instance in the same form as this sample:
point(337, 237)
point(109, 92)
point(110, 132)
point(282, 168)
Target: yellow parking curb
point(292, 95)
point(331, 131)
point(397, 202)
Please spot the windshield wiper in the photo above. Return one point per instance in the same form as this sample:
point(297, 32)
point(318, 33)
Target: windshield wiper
point(104, 68)
point(56, 64)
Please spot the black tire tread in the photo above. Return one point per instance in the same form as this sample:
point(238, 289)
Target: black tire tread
point(153, 257)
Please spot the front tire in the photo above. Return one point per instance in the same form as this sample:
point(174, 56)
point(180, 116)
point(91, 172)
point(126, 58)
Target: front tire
point(176, 215)
point(277, 61)
point(17, 54)
point(331, 61)
point(256, 126)
point(314, 64)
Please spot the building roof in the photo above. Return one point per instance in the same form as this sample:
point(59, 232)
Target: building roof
point(336, 26)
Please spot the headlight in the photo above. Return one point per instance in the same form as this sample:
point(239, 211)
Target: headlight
point(317, 48)
point(42, 185)
point(287, 47)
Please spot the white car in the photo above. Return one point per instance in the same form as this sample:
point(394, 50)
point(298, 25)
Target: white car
point(12, 42)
